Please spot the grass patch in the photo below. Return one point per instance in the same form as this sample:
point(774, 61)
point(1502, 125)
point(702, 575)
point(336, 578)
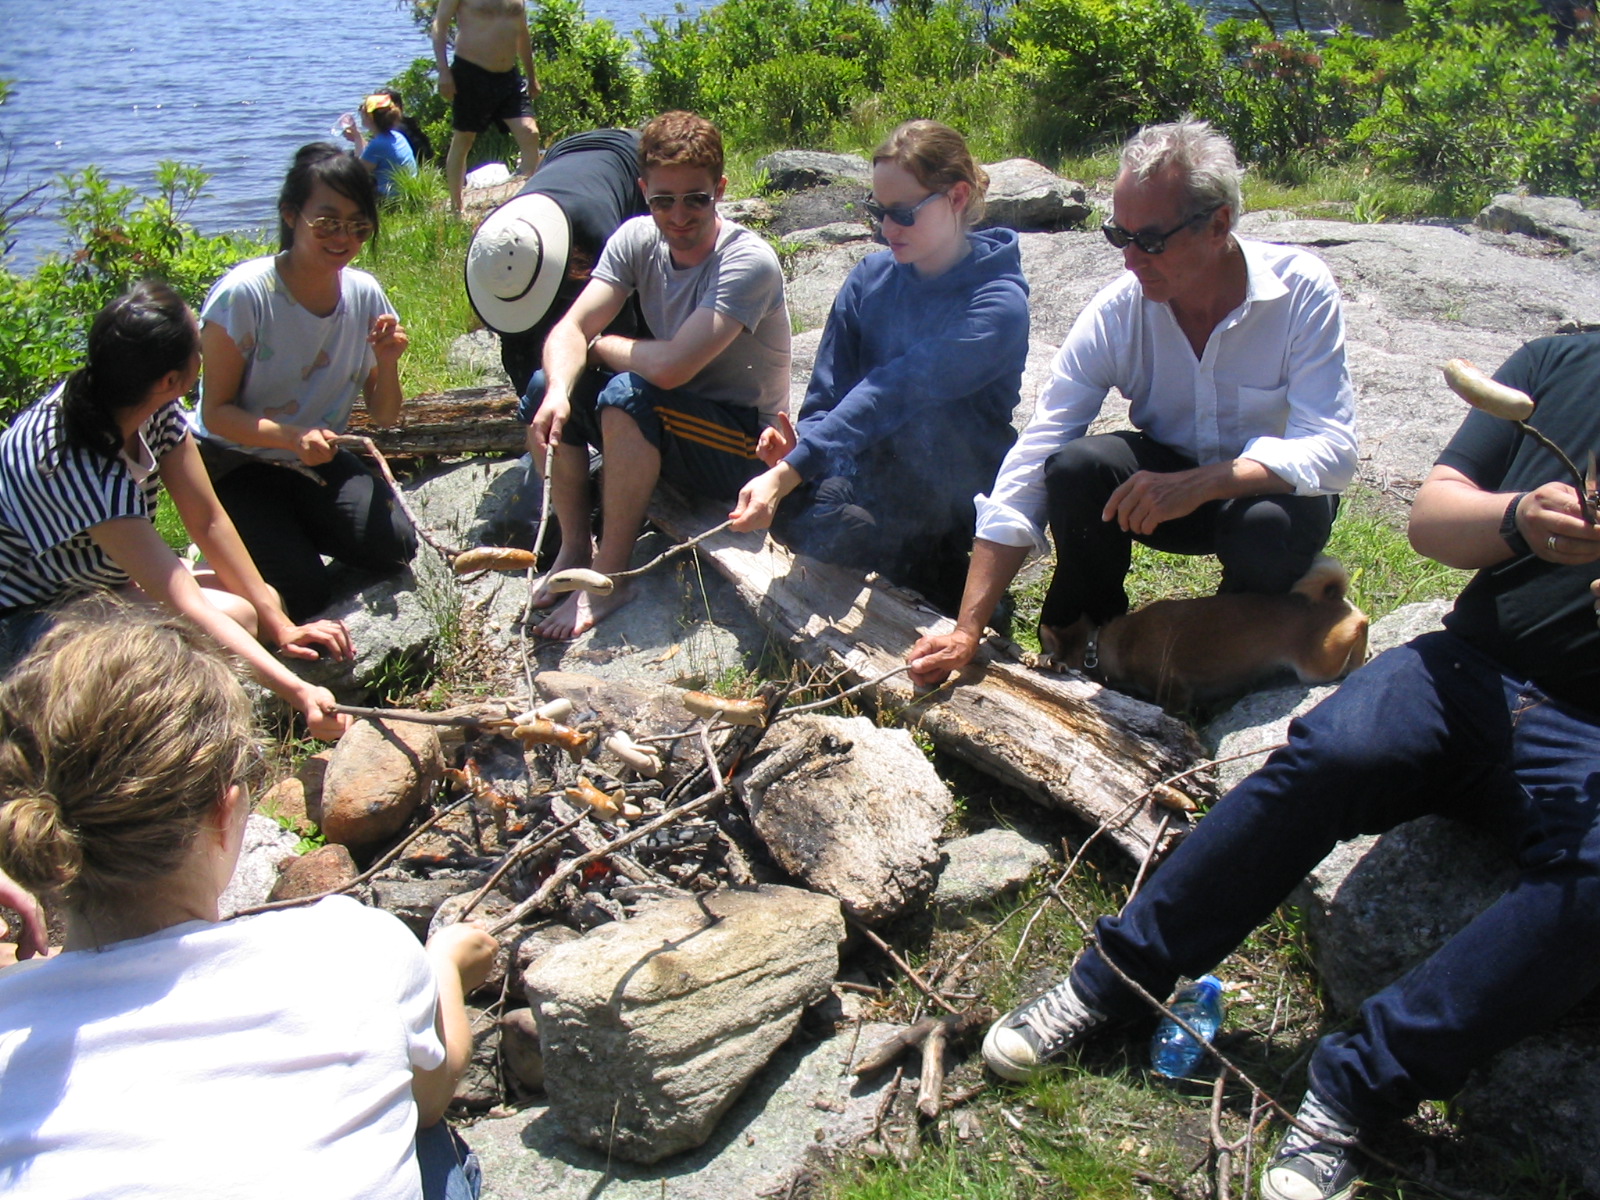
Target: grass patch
point(418, 260)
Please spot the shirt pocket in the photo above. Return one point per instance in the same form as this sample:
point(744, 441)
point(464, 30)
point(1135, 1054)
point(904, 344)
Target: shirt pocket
point(1263, 412)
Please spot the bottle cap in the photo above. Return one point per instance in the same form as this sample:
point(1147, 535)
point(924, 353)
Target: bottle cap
point(1211, 984)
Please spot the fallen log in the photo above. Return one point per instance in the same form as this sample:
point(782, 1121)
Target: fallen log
point(479, 420)
point(1063, 740)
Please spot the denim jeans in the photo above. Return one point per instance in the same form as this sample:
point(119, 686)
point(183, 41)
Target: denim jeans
point(1432, 726)
point(449, 1169)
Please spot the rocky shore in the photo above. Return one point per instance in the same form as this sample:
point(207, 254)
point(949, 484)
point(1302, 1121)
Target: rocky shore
point(772, 1089)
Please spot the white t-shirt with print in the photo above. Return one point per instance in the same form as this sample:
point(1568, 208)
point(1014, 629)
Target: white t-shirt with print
point(254, 1059)
point(300, 368)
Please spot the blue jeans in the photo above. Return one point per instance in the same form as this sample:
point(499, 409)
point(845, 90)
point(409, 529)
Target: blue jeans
point(449, 1170)
point(1430, 727)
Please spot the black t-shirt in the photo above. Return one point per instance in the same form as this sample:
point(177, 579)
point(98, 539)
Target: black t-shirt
point(1535, 618)
point(594, 177)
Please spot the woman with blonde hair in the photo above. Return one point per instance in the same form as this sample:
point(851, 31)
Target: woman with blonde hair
point(908, 414)
point(165, 1052)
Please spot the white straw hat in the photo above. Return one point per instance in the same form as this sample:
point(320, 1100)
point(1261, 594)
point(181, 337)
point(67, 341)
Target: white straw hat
point(516, 262)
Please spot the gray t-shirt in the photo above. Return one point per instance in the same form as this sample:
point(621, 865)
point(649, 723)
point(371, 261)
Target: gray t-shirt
point(300, 368)
point(741, 278)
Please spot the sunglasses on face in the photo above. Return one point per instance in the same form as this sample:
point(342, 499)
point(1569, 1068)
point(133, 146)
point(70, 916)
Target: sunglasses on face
point(326, 227)
point(1150, 243)
point(664, 202)
point(906, 217)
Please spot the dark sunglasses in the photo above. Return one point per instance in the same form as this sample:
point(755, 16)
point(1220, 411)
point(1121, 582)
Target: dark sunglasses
point(663, 202)
point(1150, 243)
point(900, 216)
point(327, 227)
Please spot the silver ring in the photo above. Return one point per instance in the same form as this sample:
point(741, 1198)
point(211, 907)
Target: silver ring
point(1551, 543)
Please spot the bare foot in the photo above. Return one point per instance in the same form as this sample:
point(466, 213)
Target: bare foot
point(580, 613)
point(544, 598)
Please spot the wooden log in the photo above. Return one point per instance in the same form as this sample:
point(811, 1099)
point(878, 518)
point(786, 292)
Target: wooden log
point(463, 421)
point(1063, 740)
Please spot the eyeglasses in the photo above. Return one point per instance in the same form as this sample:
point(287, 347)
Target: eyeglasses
point(664, 202)
point(326, 227)
point(1150, 243)
point(900, 216)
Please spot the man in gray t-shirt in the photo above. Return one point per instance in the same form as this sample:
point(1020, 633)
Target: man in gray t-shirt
point(699, 402)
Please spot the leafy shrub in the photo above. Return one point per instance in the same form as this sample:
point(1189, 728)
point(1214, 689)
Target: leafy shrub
point(1098, 69)
point(117, 237)
point(766, 70)
point(1279, 96)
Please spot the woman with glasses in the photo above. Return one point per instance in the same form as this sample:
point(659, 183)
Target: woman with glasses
point(908, 414)
point(79, 475)
point(164, 1052)
point(289, 341)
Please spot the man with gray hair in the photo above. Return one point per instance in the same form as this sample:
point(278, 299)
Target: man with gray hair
point(1231, 355)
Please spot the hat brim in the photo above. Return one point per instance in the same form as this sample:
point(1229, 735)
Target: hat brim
point(521, 313)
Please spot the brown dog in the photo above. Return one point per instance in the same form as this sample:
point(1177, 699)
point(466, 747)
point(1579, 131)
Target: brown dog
point(1181, 651)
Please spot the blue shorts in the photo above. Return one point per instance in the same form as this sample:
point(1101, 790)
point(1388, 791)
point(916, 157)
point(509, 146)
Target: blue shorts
point(707, 448)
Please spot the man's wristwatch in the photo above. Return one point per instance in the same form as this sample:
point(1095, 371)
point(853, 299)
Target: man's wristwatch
point(1509, 533)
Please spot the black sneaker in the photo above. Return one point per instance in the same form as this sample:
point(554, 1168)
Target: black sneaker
point(1026, 1038)
point(1310, 1166)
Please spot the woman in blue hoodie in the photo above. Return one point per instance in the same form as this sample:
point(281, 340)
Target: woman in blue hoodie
point(908, 413)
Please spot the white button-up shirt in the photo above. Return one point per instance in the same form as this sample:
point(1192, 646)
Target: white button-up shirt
point(1271, 387)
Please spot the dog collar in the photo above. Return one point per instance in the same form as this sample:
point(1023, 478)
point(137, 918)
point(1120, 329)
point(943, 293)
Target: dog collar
point(1091, 652)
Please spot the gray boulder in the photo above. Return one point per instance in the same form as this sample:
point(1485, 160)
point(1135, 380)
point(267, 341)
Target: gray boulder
point(980, 869)
point(266, 845)
point(852, 810)
point(1025, 195)
point(478, 352)
point(1565, 224)
point(652, 1027)
point(796, 170)
point(799, 1113)
point(834, 233)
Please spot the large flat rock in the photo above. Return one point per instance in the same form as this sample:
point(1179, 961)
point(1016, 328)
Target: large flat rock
point(805, 1103)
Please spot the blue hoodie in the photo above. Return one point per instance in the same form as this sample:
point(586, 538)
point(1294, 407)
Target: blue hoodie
point(916, 379)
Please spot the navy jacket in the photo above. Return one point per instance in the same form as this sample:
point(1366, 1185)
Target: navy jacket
point(916, 379)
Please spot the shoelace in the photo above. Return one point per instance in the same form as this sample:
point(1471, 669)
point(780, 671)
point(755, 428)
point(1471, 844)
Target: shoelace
point(1053, 1017)
point(1322, 1155)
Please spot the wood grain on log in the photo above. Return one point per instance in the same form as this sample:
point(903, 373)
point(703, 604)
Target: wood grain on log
point(463, 421)
point(1061, 739)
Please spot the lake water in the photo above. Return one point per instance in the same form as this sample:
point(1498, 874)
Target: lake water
point(237, 87)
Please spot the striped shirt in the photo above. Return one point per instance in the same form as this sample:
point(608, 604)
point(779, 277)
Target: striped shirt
point(52, 494)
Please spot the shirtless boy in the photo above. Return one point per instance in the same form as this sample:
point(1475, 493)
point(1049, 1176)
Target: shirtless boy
point(483, 82)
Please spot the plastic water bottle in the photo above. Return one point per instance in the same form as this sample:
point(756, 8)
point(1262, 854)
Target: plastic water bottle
point(1173, 1052)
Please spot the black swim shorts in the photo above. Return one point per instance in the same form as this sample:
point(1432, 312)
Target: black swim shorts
point(483, 97)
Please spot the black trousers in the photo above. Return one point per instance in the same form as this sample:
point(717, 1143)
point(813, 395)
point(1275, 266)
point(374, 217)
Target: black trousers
point(1265, 543)
point(289, 521)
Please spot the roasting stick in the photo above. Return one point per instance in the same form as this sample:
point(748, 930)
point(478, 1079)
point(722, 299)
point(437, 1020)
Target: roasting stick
point(351, 441)
point(576, 579)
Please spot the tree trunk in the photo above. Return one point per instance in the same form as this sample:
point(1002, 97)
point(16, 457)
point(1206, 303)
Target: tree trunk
point(464, 421)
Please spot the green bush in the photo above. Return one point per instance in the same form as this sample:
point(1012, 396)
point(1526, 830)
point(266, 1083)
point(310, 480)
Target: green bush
point(769, 71)
point(1098, 69)
point(116, 237)
point(1476, 97)
point(1278, 97)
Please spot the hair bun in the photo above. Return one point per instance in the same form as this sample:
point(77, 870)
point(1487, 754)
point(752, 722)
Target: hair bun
point(38, 848)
